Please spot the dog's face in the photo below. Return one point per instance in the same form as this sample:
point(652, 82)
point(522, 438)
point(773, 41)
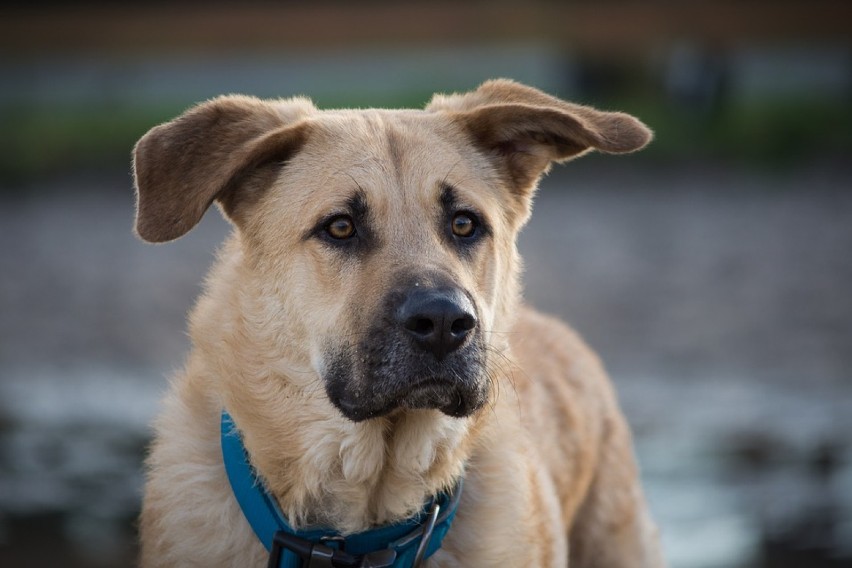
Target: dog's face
point(394, 260)
point(391, 237)
point(385, 238)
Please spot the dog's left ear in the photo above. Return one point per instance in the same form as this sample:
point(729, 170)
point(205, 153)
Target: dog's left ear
point(525, 130)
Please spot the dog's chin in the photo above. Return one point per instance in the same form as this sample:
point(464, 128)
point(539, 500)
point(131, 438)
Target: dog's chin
point(449, 398)
point(436, 395)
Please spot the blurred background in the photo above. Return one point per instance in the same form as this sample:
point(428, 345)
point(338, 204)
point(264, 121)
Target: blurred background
point(713, 271)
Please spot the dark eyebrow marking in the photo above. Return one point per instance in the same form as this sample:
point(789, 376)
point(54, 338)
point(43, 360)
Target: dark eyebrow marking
point(357, 205)
point(449, 199)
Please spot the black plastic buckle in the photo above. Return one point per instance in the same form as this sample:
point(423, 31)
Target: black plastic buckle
point(318, 555)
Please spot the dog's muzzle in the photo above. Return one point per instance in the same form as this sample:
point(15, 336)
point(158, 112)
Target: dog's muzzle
point(426, 351)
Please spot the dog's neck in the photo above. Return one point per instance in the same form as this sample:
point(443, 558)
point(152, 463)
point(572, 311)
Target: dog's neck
point(350, 476)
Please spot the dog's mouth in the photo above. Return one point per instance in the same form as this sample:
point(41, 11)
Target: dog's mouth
point(440, 394)
point(457, 387)
point(448, 396)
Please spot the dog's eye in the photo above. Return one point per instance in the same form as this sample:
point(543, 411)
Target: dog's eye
point(341, 227)
point(464, 225)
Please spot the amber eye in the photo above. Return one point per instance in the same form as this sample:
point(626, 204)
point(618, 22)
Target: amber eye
point(463, 225)
point(341, 227)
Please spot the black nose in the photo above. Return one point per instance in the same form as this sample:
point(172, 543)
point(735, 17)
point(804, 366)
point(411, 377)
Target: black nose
point(438, 319)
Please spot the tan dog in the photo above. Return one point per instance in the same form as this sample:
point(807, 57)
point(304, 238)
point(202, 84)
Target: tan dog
point(363, 328)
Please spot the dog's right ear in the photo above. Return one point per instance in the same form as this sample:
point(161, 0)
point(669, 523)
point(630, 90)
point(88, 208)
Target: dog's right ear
point(208, 154)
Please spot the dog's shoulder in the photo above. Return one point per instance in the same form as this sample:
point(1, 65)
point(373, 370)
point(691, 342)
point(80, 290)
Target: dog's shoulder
point(566, 399)
point(548, 350)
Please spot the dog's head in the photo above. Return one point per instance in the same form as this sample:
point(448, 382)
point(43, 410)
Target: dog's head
point(378, 246)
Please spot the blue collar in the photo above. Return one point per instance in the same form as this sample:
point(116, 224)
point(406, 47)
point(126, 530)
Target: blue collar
point(399, 546)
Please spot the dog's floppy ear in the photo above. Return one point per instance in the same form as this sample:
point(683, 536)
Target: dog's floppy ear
point(208, 153)
point(526, 130)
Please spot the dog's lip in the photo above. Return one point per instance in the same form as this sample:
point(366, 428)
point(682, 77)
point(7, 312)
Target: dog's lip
point(439, 393)
point(428, 384)
point(432, 382)
point(446, 394)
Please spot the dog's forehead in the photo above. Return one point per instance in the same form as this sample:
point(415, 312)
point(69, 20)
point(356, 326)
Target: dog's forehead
point(392, 157)
point(395, 140)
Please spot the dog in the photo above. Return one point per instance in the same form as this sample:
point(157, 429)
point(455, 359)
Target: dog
point(362, 341)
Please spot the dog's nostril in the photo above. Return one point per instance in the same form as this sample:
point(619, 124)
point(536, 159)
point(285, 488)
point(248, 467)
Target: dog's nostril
point(420, 325)
point(462, 325)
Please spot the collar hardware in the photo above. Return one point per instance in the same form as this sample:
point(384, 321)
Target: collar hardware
point(427, 535)
point(319, 555)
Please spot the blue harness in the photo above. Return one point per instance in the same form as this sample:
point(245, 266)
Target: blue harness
point(400, 545)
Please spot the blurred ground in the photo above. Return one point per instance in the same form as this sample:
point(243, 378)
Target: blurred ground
point(718, 297)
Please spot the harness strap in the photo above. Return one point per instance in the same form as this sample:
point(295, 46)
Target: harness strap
point(400, 545)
